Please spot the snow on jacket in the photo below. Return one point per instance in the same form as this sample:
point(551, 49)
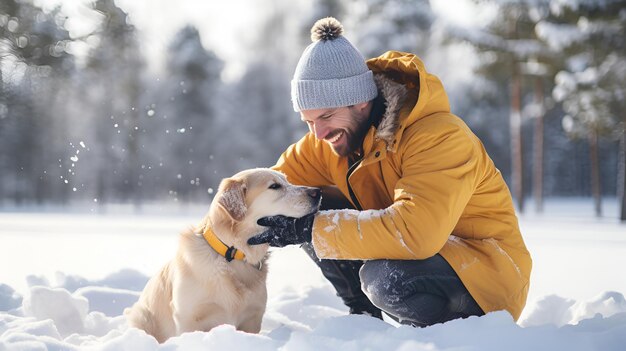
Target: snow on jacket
point(425, 185)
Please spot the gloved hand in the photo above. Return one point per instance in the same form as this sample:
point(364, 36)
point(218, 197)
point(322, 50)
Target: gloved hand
point(283, 231)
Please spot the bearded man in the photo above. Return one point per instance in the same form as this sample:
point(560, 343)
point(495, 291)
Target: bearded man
point(424, 226)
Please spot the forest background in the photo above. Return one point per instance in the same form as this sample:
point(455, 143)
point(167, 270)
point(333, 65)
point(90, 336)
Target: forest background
point(92, 112)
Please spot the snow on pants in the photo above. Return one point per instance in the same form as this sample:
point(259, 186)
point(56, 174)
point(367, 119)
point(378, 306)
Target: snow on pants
point(417, 292)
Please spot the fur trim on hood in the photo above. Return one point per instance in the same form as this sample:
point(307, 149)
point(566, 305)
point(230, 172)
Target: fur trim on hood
point(394, 95)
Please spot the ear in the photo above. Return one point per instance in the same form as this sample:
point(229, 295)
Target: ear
point(362, 106)
point(232, 198)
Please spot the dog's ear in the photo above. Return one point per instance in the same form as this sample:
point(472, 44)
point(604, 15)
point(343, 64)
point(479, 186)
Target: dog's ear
point(233, 198)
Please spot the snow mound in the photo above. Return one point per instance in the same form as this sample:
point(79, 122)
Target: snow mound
point(551, 309)
point(127, 279)
point(606, 304)
point(68, 312)
point(109, 301)
point(9, 299)
point(559, 311)
point(309, 318)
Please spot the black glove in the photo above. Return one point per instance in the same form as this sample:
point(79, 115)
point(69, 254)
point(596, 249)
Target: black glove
point(283, 231)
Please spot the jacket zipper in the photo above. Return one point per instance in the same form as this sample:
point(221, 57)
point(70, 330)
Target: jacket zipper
point(352, 195)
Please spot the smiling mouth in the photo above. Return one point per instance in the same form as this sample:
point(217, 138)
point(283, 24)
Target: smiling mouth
point(335, 138)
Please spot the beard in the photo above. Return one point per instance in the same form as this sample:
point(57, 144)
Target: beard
point(353, 136)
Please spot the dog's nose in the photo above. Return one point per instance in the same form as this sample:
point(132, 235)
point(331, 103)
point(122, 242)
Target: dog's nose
point(315, 193)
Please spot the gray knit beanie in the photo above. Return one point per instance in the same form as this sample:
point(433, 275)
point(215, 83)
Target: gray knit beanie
point(331, 72)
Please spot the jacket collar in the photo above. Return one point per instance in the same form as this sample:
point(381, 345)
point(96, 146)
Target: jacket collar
point(394, 95)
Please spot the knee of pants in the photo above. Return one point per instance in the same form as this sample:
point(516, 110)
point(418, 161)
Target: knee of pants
point(381, 283)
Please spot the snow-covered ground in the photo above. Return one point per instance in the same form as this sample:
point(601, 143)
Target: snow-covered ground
point(66, 277)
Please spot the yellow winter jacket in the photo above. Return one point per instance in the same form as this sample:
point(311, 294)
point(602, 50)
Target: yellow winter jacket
point(425, 184)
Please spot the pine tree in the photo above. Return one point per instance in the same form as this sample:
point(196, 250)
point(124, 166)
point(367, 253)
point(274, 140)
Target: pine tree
point(259, 103)
point(590, 87)
point(113, 82)
point(376, 26)
point(187, 133)
point(31, 41)
point(508, 50)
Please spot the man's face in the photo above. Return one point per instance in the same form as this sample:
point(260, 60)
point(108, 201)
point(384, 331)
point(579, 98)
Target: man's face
point(344, 128)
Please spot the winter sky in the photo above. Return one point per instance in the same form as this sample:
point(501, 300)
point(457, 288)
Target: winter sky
point(225, 26)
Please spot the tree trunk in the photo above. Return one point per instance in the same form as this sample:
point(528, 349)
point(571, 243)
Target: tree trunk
point(595, 173)
point(622, 174)
point(538, 147)
point(132, 163)
point(516, 137)
point(103, 143)
point(3, 102)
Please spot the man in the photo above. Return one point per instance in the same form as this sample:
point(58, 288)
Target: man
point(433, 235)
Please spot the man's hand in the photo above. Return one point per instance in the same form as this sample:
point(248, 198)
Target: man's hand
point(283, 231)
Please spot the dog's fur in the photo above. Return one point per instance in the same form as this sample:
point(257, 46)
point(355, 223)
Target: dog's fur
point(199, 289)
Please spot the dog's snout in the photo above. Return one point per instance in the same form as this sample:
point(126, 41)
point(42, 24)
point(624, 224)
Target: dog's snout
point(315, 193)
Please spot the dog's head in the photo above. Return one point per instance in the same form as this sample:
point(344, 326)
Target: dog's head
point(252, 194)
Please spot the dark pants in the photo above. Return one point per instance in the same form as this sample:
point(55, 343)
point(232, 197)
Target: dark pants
point(413, 292)
point(419, 293)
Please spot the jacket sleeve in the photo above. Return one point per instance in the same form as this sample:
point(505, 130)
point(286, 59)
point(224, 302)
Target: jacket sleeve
point(438, 177)
point(302, 163)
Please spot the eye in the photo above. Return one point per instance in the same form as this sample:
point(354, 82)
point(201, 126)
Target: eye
point(275, 186)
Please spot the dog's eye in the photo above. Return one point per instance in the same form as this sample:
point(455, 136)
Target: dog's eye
point(275, 186)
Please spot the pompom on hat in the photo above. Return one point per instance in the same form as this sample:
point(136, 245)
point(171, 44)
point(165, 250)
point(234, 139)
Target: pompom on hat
point(331, 72)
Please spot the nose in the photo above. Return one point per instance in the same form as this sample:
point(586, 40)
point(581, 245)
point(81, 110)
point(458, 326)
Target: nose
point(319, 130)
point(315, 193)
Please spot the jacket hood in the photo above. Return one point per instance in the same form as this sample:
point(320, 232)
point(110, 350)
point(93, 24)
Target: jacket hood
point(410, 93)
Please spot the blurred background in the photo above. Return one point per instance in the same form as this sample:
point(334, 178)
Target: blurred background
point(141, 102)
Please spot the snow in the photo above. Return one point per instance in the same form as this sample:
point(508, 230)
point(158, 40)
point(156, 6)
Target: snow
point(560, 311)
point(576, 300)
point(559, 36)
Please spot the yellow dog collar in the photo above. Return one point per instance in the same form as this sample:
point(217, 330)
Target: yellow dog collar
point(229, 252)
